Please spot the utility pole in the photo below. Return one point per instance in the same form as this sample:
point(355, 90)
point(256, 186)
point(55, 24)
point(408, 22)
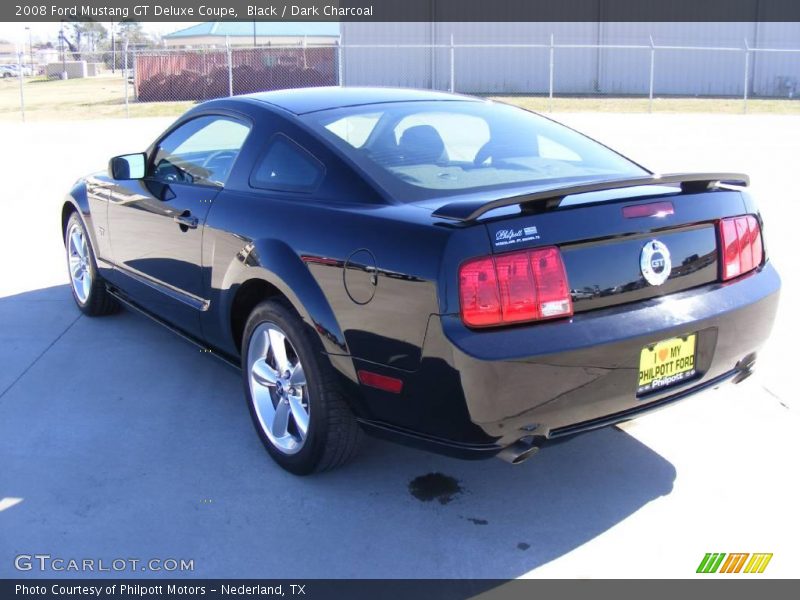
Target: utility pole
point(30, 48)
point(21, 82)
point(63, 56)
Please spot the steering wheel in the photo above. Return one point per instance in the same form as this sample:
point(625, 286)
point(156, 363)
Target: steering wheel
point(218, 156)
point(168, 172)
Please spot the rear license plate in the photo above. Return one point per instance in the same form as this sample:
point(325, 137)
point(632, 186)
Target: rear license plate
point(667, 363)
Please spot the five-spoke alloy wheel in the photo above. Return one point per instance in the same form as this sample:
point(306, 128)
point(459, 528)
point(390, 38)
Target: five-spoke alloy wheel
point(294, 395)
point(88, 288)
point(278, 388)
point(78, 258)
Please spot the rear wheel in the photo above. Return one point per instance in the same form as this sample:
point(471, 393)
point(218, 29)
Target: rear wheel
point(88, 289)
point(295, 401)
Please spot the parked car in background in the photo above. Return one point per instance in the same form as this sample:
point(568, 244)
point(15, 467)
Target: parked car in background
point(449, 272)
point(26, 70)
point(6, 71)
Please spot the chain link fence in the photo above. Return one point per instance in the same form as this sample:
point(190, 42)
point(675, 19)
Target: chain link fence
point(170, 75)
point(134, 82)
point(552, 69)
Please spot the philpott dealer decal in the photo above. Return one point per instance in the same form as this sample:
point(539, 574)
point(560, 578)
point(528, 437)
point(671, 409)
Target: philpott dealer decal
point(508, 237)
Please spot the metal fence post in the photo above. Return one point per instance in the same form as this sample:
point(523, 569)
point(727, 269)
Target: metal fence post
point(113, 47)
point(21, 77)
point(652, 73)
point(746, 74)
point(552, 64)
point(452, 65)
point(125, 81)
point(230, 65)
point(341, 65)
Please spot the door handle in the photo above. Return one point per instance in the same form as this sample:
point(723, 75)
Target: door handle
point(186, 221)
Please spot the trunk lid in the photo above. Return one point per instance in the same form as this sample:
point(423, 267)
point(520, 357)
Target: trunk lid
point(602, 247)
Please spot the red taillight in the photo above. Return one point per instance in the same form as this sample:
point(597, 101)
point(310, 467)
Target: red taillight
point(480, 300)
point(518, 298)
point(513, 288)
point(741, 250)
point(551, 283)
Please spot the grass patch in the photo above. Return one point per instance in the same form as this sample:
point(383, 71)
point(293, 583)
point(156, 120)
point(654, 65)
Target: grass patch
point(104, 97)
point(660, 105)
point(87, 98)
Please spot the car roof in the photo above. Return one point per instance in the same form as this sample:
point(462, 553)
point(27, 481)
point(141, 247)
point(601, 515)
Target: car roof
point(306, 100)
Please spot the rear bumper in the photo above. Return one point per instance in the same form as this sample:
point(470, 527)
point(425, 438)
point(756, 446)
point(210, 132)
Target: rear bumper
point(474, 451)
point(555, 379)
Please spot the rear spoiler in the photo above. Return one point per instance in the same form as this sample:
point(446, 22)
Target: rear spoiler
point(469, 210)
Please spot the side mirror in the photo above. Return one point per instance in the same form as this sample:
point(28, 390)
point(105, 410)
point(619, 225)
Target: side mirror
point(127, 166)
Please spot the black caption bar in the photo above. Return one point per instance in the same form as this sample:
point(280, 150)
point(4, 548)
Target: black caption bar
point(380, 589)
point(403, 10)
point(152, 589)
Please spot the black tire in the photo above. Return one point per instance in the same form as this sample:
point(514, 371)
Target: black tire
point(333, 436)
point(98, 301)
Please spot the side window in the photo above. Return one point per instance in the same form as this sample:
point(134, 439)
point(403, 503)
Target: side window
point(286, 166)
point(201, 151)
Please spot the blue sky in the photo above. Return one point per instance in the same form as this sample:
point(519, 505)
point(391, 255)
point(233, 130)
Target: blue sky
point(15, 32)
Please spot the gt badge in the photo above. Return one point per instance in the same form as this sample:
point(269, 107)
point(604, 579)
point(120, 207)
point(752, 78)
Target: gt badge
point(655, 262)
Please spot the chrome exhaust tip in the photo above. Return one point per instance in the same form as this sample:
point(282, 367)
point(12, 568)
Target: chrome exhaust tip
point(744, 368)
point(518, 452)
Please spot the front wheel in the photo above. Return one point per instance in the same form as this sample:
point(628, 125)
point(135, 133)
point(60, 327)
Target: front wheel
point(293, 394)
point(88, 289)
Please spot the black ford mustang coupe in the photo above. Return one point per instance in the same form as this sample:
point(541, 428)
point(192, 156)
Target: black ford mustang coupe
point(446, 271)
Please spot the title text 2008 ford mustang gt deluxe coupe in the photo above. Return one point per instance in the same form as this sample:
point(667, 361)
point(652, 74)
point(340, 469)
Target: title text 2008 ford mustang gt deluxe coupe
point(449, 272)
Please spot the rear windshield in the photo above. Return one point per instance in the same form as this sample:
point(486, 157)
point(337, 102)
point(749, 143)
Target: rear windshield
point(420, 150)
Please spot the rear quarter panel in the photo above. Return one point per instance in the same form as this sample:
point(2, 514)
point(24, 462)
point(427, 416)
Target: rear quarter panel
point(361, 271)
point(364, 279)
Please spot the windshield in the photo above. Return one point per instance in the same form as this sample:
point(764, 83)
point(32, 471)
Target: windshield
point(421, 150)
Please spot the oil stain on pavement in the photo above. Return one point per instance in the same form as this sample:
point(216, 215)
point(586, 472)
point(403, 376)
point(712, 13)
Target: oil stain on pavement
point(435, 486)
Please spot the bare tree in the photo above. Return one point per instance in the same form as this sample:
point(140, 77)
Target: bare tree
point(76, 33)
point(132, 33)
